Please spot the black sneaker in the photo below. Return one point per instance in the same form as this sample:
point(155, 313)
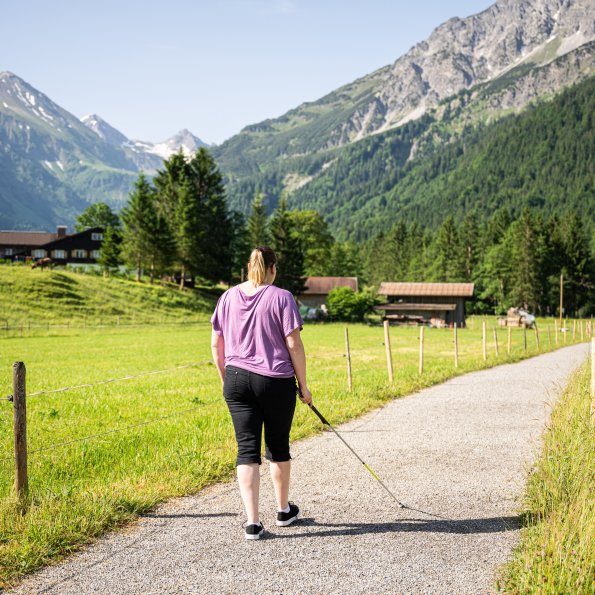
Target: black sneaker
point(253, 531)
point(286, 518)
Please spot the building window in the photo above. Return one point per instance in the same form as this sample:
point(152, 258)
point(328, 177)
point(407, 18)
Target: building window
point(59, 253)
point(8, 252)
point(79, 253)
point(39, 253)
point(97, 237)
point(95, 253)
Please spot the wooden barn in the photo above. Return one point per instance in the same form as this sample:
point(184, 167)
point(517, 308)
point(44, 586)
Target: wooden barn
point(437, 304)
point(317, 288)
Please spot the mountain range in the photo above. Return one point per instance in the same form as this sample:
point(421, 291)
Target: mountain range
point(53, 165)
point(468, 74)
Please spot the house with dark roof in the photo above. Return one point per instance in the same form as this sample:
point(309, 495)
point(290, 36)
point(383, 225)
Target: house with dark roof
point(317, 289)
point(437, 304)
point(13, 243)
point(78, 248)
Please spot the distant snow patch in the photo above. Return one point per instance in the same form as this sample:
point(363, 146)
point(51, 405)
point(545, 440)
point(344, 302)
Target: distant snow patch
point(5, 104)
point(46, 115)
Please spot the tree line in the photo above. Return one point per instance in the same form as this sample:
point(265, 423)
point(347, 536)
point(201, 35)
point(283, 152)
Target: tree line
point(512, 261)
point(180, 223)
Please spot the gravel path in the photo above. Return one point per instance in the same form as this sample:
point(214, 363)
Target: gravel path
point(460, 450)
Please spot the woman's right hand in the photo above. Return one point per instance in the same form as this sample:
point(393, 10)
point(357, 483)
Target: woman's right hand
point(305, 395)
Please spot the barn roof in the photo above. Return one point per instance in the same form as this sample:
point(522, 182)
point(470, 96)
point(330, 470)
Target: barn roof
point(427, 289)
point(415, 307)
point(323, 285)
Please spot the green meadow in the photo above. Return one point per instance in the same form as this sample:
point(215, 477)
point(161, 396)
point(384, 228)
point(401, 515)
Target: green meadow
point(78, 489)
point(34, 301)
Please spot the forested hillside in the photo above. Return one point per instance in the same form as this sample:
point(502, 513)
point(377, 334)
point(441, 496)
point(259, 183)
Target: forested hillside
point(543, 158)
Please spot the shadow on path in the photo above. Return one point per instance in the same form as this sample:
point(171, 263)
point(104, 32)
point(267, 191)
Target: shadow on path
point(468, 526)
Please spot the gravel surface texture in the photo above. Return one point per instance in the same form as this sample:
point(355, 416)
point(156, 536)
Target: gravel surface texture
point(460, 450)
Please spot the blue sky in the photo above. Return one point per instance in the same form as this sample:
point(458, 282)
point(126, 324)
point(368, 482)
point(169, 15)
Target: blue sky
point(151, 68)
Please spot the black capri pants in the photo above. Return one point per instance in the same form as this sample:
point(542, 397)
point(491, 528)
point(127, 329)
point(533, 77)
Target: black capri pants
point(255, 400)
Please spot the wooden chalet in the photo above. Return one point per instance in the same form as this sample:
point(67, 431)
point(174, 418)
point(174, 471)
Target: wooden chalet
point(78, 248)
point(20, 243)
point(436, 304)
point(318, 288)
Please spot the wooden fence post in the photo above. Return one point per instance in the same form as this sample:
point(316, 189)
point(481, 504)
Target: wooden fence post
point(496, 342)
point(556, 331)
point(19, 397)
point(537, 337)
point(389, 356)
point(525, 337)
point(549, 336)
point(565, 330)
point(485, 347)
point(421, 349)
point(581, 327)
point(456, 346)
point(349, 377)
point(573, 331)
point(509, 345)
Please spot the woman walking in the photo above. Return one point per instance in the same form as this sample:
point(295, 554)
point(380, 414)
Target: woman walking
point(259, 354)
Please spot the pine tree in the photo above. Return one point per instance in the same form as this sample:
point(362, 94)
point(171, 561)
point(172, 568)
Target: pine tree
point(258, 234)
point(345, 260)
point(446, 254)
point(286, 244)
point(109, 255)
point(469, 240)
point(191, 198)
point(186, 229)
point(577, 265)
point(138, 217)
point(316, 240)
point(214, 233)
point(168, 183)
point(161, 250)
point(527, 251)
point(240, 247)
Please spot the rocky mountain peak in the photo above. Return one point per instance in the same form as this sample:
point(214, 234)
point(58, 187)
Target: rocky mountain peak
point(184, 140)
point(104, 130)
point(463, 52)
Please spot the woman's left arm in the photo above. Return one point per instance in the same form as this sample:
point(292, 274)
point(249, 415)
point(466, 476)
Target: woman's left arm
point(218, 351)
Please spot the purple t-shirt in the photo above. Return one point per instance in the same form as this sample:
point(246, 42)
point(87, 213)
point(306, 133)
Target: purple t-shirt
point(254, 328)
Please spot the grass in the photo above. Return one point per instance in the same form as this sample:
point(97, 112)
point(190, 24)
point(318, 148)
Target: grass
point(81, 490)
point(36, 301)
point(557, 550)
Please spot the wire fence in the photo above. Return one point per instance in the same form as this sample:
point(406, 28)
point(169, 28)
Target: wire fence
point(101, 382)
point(51, 447)
point(108, 432)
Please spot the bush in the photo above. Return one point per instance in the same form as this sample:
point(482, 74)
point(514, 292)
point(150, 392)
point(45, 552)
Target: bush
point(344, 304)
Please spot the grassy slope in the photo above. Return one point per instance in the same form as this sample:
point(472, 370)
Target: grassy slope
point(85, 488)
point(557, 551)
point(35, 298)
